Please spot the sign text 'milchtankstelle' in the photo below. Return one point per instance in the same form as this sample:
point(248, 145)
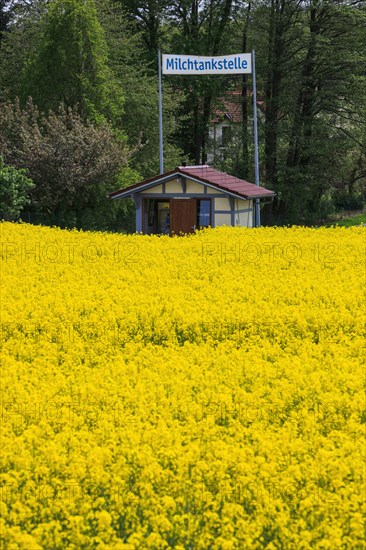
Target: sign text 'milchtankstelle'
point(195, 64)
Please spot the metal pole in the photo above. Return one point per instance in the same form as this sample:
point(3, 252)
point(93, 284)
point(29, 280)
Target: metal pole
point(256, 161)
point(161, 146)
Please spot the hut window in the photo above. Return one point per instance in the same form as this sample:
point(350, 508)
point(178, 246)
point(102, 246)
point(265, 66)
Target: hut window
point(203, 213)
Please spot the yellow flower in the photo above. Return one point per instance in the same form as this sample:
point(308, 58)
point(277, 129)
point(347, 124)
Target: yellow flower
point(198, 392)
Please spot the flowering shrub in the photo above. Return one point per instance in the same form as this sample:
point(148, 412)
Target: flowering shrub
point(196, 392)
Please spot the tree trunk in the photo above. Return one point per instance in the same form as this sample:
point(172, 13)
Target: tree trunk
point(244, 102)
point(299, 153)
point(273, 87)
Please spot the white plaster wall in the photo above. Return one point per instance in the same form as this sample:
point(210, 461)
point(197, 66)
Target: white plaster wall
point(222, 219)
point(222, 204)
point(211, 191)
point(194, 187)
point(156, 189)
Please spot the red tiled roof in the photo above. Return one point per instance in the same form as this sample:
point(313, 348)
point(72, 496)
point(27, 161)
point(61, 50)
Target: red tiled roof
point(232, 107)
point(204, 174)
point(225, 181)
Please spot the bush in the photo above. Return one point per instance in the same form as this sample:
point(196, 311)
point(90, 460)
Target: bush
point(14, 189)
point(349, 202)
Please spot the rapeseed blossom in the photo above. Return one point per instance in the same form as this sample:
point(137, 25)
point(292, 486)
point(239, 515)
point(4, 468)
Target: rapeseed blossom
point(195, 392)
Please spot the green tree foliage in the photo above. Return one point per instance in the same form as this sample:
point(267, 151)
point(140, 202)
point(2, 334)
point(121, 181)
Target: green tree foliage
point(201, 28)
point(14, 190)
point(138, 79)
point(196, 27)
point(311, 60)
point(18, 45)
point(73, 163)
point(327, 111)
point(70, 64)
point(147, 18)
point(5, 16)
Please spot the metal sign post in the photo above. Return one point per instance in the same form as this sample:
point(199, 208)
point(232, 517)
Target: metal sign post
point(256, 161)
point(161, 143)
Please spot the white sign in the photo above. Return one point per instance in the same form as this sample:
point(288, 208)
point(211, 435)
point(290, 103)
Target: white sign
point(239, 63)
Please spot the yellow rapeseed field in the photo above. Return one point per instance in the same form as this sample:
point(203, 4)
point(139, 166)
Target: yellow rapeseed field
point(202, 392)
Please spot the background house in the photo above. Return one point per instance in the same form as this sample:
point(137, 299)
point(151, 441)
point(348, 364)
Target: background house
point(226, 125)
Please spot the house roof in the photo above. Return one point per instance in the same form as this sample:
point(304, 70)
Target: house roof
point(202, 174)
point(231, 107)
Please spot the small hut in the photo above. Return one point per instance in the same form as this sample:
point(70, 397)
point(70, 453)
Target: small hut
point(192, 197)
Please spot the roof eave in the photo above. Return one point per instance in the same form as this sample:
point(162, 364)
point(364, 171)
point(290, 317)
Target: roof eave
point(266, 196)
point(130, 191)
point(224, 190)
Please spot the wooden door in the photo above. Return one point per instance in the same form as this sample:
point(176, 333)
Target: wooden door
point(182, 216)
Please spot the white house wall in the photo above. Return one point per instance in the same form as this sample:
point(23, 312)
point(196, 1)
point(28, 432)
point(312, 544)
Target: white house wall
point(244, 219)
point(212, 191)
point(244, 213)
point(215, 149)
point(222, 204)
point(226, 210)
point(194, 187)
point(157, 189)
point(222, 219)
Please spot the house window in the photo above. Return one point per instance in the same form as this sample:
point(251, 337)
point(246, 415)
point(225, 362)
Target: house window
point(203, 213)
point(226, 136)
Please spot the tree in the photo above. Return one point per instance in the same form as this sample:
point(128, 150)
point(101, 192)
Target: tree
point(70, 64)
point(147, 17)
point(70, 161)
point(329, 102)
point(5, 16)
point(202, 28)
point(14, 190)
point(138, 79)
point(244, 169)
point(18, 44)
point(282, 50)
point(310, 66)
